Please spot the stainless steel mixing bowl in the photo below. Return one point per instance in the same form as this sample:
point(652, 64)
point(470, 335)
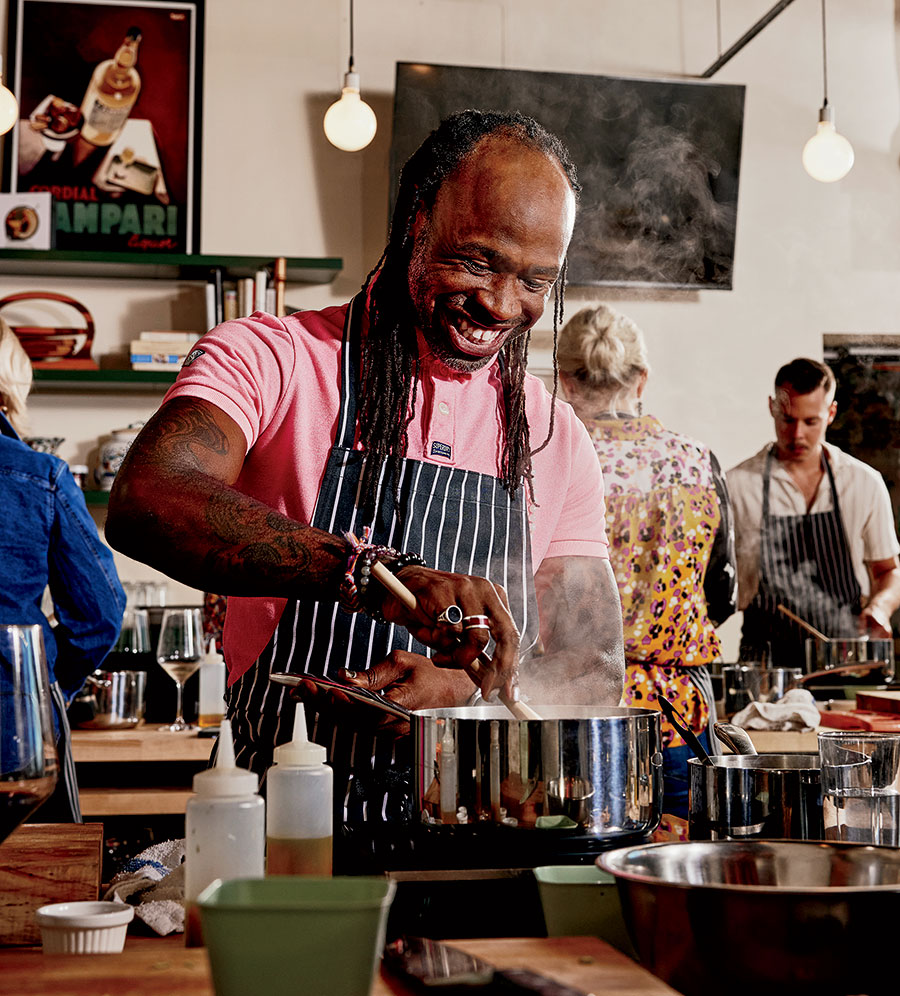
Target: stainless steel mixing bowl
point(789, 917)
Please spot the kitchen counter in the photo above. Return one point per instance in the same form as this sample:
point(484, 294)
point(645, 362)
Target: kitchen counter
point(163, 966)
point(138, 771)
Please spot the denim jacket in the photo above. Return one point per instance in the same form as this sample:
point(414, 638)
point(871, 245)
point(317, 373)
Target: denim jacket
point(47, 537)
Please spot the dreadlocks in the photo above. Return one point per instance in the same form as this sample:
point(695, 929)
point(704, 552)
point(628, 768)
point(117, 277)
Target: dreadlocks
point(389, 359)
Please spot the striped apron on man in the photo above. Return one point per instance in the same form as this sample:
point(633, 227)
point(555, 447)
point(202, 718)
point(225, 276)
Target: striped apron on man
point(456, 520)
point(804, 565)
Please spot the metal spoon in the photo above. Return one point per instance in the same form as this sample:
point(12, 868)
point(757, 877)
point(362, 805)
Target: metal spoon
point(735, 738)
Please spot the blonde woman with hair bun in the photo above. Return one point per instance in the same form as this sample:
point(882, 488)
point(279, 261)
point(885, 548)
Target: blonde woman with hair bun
point(668, 520)
point(48, 540)
point(15, 378)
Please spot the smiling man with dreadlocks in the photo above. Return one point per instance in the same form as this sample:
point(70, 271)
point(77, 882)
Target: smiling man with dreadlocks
point(294, 453)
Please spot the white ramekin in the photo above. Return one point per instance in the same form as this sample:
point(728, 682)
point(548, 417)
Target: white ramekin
point(84, 928)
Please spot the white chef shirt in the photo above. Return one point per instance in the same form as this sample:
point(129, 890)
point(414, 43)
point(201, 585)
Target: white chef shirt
point(862, 494)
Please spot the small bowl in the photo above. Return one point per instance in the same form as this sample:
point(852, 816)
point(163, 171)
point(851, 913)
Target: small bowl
point(84, 928)
point(582, 899)
point(45, 444)
point(330, 930)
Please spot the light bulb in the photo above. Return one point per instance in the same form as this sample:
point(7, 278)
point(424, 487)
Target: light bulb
point(350, 123)
point(9, 106)
point(827, 156)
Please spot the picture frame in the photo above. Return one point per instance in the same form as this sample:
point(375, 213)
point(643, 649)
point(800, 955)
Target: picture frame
point(110, 99)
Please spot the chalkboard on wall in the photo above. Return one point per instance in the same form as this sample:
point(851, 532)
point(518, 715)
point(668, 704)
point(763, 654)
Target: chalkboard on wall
point(658, 162)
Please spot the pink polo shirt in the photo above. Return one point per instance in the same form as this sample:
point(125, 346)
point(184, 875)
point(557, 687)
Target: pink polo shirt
point(278, 378)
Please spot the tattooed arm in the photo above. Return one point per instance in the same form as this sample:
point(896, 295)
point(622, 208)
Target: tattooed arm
point(581, 630)
point(173, 506)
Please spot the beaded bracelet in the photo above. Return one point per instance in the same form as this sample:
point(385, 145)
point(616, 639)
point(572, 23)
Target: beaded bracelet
point(395, 565)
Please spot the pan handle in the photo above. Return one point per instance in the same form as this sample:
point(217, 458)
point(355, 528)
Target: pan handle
point(677, 720)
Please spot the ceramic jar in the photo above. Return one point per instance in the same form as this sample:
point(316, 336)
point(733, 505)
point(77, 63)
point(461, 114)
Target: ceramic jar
point(112, 453)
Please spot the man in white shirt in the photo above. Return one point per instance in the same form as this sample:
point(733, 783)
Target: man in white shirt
point(814, 529)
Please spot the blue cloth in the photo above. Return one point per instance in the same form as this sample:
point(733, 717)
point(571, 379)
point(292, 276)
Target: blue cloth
point(47, 537)
point(675, 777)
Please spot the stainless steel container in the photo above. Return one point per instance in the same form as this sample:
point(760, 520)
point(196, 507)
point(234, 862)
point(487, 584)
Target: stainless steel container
point(111, 700)
point(746, 683)
point(783, 917)
point(739, 796)
point(597, 772)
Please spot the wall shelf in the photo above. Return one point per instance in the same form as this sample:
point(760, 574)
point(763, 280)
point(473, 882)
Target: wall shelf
point(160, 266)
point(152, 381)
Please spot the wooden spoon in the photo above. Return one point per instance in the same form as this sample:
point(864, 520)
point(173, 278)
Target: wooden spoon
point(398, 588)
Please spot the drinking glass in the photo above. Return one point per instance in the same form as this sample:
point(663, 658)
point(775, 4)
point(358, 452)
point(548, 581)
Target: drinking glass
point(861, 786)
point(28, 762)
point(179, 652)
point(134, 636)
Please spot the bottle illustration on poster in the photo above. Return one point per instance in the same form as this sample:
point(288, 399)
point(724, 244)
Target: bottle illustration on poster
point(110, 120)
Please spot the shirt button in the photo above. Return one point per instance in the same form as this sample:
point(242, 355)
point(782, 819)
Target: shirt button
point(444, 408)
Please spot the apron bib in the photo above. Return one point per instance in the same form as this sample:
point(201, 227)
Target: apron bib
point(456, 520)
point(804, 565)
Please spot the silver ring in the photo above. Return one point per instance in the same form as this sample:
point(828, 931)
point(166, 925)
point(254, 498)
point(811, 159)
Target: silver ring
point(476, 622)
point(452, 614)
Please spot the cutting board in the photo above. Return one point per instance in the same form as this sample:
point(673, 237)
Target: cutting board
point(44, 863)
point(862, 720)
point(878, 701)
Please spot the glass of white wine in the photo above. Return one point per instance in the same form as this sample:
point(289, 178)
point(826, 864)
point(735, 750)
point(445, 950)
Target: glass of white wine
point(179, 653)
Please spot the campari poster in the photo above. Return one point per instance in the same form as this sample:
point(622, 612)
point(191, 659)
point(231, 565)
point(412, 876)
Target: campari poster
point(109, 103)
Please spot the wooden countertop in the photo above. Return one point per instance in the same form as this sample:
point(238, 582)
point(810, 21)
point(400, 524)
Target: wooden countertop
point(163, 966)
point(785, 741)
point(146, 742)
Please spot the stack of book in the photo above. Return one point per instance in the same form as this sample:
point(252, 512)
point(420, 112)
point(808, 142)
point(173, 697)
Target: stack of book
point(241, 297)
point(161, 350)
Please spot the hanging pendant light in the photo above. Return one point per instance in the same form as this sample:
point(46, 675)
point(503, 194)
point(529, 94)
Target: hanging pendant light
point(827, 156)
point(350, 123)
point(9, 106)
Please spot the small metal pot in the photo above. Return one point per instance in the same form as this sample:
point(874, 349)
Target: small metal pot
point(744, 684)
point(740, 796)
point(110, 700)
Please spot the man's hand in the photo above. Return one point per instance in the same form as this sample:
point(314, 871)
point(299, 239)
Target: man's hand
point(884, 600)
point(459, 645)
point(407, 679)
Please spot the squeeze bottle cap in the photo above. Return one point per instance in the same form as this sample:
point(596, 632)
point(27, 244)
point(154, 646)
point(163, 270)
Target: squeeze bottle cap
point(225, 779)
point(212, 655)
point(300, 752)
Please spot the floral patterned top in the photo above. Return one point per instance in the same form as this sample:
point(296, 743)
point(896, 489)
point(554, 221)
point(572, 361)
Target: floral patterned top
point(671, 546)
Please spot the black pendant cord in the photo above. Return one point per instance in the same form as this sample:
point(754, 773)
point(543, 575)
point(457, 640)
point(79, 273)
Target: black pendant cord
point(824, 60)
point(351, 38)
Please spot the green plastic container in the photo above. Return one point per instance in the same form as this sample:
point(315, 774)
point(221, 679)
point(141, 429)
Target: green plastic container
point(582, 899)
point(289, 935)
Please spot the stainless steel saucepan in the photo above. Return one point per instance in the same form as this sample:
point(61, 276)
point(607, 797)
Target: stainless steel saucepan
point(591, 771)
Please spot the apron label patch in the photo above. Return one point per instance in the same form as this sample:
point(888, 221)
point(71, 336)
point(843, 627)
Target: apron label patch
point(189, 359)
point(441, 450)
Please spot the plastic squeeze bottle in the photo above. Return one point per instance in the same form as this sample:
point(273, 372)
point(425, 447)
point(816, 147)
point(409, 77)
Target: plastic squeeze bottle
point(299, 790)
point(224, 830)
point(212, 689)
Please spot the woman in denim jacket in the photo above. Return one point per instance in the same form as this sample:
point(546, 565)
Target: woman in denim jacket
point(48, 539)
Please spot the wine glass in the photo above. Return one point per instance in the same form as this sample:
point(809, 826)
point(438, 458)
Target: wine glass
point(28, 761)
point(179, 652)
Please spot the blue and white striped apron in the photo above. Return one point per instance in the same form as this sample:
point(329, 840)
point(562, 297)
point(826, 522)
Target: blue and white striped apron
point(804, 565)
point(456, 520)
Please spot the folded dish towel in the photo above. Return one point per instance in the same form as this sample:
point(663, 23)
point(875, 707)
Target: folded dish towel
point(153, 882)
point(795, 710)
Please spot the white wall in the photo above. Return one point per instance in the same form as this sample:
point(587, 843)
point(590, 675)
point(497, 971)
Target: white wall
point(811, 258)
